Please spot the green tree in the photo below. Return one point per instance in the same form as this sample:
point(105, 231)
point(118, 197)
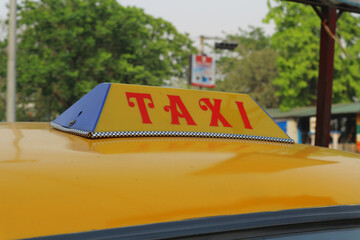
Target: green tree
point(252, 69)
point(297, 40)
point(67, 47)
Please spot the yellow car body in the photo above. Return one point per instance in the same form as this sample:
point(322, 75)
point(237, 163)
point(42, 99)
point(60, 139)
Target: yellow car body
point(55, 183)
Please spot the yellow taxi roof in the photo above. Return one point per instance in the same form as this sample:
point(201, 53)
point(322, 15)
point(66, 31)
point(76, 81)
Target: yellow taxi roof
point(55, 183)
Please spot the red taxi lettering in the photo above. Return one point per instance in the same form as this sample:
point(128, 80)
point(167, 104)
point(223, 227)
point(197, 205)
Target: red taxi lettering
point(215, 112)
point(175, 103)
point(244, 116)
point(140, 99)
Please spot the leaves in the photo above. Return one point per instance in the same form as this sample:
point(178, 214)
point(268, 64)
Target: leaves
point(297, 41)
point(253, 69)
point(67, 47)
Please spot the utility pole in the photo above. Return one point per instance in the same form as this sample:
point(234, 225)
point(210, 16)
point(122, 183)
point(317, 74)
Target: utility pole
point(202, 44)
point(11, 66)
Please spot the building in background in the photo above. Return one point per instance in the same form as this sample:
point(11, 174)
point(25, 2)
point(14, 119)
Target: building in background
point(300, 124)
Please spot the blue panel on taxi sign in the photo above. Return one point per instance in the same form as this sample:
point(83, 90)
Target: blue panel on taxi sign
point(84, 114)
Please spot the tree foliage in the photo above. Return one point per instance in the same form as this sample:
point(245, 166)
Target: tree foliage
point(67, 47)
point(252, 69)
point(297, 40)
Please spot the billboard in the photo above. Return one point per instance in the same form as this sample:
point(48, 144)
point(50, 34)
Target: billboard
point(202, 71)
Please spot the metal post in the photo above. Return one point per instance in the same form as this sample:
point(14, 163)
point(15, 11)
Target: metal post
point(326, 69)
point(201, 49)
point(11, 66)
point(202, 45)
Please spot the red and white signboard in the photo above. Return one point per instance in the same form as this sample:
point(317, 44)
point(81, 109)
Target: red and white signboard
point(202, 71)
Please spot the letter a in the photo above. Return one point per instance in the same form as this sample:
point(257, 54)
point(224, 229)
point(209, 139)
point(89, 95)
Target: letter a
point(175, 103)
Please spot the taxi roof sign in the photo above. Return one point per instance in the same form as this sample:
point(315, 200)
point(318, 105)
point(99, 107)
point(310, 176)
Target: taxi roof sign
point(121, 110)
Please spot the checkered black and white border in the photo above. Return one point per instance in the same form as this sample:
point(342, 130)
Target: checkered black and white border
point(169, 134)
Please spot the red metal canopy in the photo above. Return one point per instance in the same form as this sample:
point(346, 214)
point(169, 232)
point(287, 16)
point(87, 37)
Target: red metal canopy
point(344, 5)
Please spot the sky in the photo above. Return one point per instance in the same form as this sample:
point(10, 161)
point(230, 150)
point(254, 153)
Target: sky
point(213, 18)
point(207, 17)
